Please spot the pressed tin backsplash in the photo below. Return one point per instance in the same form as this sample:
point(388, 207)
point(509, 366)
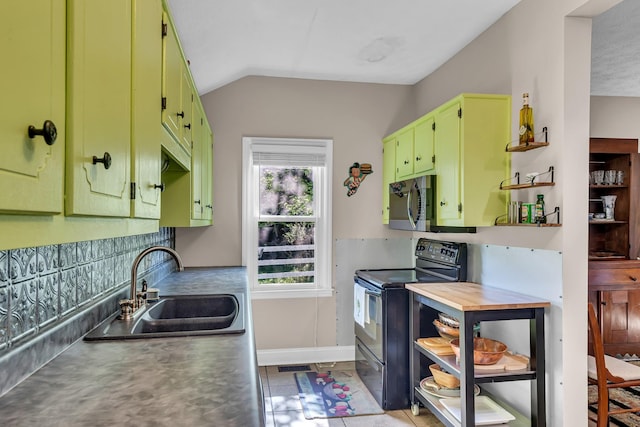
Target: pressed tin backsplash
point(41, 287)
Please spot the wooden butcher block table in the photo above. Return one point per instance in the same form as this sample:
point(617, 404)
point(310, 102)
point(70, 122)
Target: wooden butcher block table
point(471, 303)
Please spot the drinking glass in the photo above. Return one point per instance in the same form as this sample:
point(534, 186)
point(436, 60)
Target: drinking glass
point(620, 177)
point(609, 177)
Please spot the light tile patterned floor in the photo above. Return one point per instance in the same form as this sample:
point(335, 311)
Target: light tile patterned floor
point(284, 408)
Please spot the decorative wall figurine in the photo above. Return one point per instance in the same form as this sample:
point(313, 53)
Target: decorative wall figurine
point(357, 173)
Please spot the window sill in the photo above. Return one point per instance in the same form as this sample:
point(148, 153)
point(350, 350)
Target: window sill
point(290, 293)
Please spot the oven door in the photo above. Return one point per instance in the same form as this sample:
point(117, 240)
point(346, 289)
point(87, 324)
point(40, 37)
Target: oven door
point(368, 316)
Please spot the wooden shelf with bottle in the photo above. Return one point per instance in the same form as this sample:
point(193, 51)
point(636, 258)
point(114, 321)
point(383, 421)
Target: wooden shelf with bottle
point(528, 145)
point(555, 212)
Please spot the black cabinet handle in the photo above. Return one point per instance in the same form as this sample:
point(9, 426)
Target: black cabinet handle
point(160, 186)
point(442, 203)
point(196, 201)
point(48, 132)
point(633, 278)
point(188, 125)
point(105, 160)
point(406, 162)
point(180, 114)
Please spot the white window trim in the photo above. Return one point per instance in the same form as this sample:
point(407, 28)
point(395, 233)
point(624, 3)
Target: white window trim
point(323, 281)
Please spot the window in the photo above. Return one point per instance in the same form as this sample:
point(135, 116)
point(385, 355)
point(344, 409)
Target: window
point(287, 216)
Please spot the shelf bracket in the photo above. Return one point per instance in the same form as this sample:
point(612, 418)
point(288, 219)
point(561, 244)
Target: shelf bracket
point(555, 212)
point(516, 177)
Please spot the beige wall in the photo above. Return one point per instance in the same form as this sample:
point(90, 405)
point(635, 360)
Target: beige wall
point(534, 48)
point(615, 117)
point(356, 116)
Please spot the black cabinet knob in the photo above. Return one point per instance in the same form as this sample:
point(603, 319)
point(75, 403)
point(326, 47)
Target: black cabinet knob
point(160, 186)
point(196, 202)
point(48, 132)
point(105, 160)
point(180, 114)
point(188, 126)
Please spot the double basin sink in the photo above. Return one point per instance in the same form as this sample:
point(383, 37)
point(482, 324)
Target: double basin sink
point(175, 316)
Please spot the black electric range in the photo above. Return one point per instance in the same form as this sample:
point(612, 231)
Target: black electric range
point(381, 317)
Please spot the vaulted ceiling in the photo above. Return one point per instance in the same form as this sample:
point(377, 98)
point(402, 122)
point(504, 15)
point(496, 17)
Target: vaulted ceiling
point(375, 41)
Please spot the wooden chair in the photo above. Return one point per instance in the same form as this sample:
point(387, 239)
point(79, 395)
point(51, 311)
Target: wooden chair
point(608, 372)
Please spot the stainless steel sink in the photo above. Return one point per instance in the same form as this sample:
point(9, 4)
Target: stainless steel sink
point(177, 316)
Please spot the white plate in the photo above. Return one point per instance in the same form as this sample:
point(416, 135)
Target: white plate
point(487, 411)
point(428, 385)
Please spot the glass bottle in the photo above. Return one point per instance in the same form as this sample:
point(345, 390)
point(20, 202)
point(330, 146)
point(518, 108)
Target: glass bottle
point(539, 215)
point(526, 121)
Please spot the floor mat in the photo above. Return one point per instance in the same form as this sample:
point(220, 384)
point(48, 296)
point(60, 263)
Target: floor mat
point(334, 394)
point(619, 398)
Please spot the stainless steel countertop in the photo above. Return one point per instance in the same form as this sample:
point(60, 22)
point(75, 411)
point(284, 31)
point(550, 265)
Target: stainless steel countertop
point(187, 381)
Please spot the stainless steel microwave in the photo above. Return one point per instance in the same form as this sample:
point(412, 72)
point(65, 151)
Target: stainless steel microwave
point(412, 203)
point(412, 206)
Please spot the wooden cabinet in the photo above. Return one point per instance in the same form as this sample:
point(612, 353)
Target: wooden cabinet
point(145, 123)
point(470, 135)
point(618, 238)
point(98, 108)
point(388, 173)
point(32, 45)
point(614, 289)
point(614, 268)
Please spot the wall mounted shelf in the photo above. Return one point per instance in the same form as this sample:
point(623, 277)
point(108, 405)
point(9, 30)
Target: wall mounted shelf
point(528, 145)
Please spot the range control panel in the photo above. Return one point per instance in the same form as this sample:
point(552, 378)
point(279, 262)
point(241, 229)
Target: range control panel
point(446, 252)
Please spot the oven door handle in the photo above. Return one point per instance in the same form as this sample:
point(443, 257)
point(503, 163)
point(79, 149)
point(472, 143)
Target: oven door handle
point(366, 356)
point(373, 293)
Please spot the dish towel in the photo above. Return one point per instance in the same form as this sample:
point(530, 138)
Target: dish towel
point(359, 304)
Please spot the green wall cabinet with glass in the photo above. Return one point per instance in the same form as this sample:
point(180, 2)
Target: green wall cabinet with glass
point(462, 142)
point(32, 41)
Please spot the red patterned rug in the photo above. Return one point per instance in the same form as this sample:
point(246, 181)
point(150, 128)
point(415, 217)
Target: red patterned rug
point(334, 394)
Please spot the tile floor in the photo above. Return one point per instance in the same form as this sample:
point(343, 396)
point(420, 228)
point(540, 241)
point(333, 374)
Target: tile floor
point(284, 408)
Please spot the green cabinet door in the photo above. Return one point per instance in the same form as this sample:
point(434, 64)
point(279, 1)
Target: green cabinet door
point(197, 202)
point(404, 153)
point(187, 107)
point(471, 133)
point(145, 124)
point(32, 45)
point(207, 171)
point(423, 145)
point(98, 169)
point(388, 174)
point(171, 80)
point(447, 151)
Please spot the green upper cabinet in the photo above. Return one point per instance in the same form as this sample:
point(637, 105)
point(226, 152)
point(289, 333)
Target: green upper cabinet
point(414, 148)
point(197, 204)
point(32, 45)
point(176, 96)
point(471, 132)
point(423, 145)
point(388, 174)
point(207, 172)
point(98, 107)
point(145, 124)
point(404, 152)
point(448, 203)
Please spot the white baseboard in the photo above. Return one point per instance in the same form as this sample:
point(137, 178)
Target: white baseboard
point(293, 356)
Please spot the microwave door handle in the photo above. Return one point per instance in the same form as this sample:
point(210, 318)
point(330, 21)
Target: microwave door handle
point(411, 221)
